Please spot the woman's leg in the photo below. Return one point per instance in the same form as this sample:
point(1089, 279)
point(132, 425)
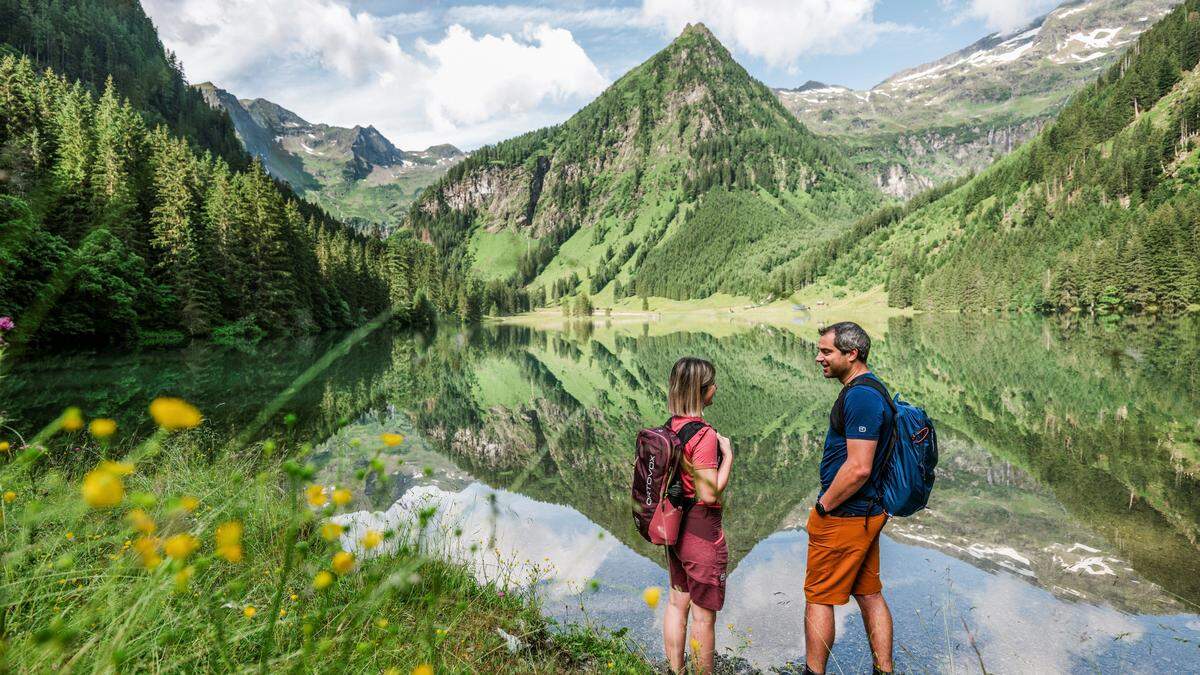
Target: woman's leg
point(704, 638)
point(675, 628)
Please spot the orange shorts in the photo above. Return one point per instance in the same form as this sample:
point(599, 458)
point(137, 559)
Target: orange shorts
point(843, 557)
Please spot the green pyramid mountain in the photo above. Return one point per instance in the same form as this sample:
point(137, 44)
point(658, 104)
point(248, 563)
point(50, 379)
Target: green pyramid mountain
point(685, 178)
point(1099, 212)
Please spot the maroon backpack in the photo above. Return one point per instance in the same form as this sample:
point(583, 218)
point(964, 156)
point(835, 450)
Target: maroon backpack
point(657, 466)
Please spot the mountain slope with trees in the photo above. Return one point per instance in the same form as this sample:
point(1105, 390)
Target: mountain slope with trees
point(1100, 212)
point(586, 207)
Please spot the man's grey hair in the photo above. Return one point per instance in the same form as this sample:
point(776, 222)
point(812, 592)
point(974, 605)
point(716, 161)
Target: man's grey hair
point(848, 336)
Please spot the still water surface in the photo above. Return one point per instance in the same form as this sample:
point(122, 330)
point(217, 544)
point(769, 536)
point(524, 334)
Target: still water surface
point(1062, 536)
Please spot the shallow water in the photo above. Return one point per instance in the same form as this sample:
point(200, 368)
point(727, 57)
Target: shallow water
point(1062, 536)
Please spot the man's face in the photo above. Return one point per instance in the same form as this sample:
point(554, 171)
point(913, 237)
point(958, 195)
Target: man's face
point(834, 364)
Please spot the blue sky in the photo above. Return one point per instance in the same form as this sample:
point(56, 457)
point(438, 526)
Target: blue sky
point(474, 72)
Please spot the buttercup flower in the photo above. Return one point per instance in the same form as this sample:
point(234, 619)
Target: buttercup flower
point(180, 546)
point(322, 580)
point(102, 487)
point(391, 440)
point(102, 427)
point(316, 495)
point(695, 645)
point(371, 539)
point(423, 669)
point(249, 611)
point(174, 414)
point(229, 541)
point(142, 522)
point(651, 596)
point(9, 497)
point(4, 446)
point(330, 531)
point(343, 562)
point(147, 550)
point(189, 503)
point(72, 419)
point(342, 496)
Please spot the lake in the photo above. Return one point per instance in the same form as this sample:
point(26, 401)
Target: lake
point(1062, 534)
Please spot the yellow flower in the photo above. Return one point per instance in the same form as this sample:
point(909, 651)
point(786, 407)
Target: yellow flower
point(142, 522)
point(181, 546)
point(4, 446)
point(343, 562)
point(282, 613)
point(330, 531)
point(102, 427)
point(316, 495)
point(10, 497)
point(147, 549)
point(651, 596)
point(70, 536)
point(72, 419)
point(423, 669)
point(188, 503)
point(371, 539)
point(102, 488)
point(229, 541)
point(174, 414)
point(341, 496)
point(322, 580)
point(695, 645)
point(391, 440)
point(294, 597)
point(249, 611)
point(182, 577)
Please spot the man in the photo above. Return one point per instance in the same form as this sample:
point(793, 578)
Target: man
point(844, 526)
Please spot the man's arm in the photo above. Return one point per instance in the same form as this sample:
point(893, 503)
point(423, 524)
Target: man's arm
point(860, 457)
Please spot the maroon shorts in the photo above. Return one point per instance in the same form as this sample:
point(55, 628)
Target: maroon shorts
point(698, 562)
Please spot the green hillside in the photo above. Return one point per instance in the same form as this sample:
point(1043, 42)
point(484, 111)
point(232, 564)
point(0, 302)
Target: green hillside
point(93, 40)
point(684, 152)
point(1100, 212)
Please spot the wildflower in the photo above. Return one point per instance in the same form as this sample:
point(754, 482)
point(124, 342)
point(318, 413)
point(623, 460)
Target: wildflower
point(189, 503)
point(330, 531)
point(4, 446)
point(181, 546)
point(371, 539)
point(182, 577)
point(147, 550)
point(72, 419)
point(316, 495)
point(10, 497)
point(102, 487)
point(229, 541)
point(173, 414)
point(423, 669)
point(6, 324)
point(322, 580)
point(695, 645)
point(294, 597)
point(70, 536)
point(391, 440)
point(343, 562)
point(651, 596)
point(282, 613)
point(142, 522)
point(249, 611)
point(341, 496)
point(102, 427)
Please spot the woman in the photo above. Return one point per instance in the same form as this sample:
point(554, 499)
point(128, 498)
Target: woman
point(697, 562)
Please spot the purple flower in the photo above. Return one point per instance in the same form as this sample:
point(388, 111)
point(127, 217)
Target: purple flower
point(6, 323)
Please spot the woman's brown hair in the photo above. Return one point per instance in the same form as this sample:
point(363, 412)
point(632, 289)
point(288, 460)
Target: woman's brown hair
point(690, 378)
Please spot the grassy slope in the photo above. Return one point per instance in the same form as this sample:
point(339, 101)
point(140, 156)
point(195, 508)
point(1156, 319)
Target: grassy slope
point(75, 595)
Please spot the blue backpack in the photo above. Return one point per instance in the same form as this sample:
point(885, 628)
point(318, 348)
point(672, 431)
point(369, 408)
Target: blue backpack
point(906, 475)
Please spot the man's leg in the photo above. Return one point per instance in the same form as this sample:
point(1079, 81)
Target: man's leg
point(675, 627)
point(819, 630)
point(877, 619)
point(703, 638)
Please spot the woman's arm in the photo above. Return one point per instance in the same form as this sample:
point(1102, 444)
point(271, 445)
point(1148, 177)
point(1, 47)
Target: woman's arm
point(710, 483)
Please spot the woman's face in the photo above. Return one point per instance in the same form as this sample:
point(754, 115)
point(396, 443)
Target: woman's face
point(709, 393)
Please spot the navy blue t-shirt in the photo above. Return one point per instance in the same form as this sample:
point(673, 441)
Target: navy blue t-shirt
point(869, 417)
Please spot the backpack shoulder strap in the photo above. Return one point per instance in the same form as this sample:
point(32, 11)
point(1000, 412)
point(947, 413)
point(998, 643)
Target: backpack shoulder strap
point(688, 431)
point(837, 416)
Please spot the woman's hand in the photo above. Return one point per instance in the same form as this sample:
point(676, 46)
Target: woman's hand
point(726, 448)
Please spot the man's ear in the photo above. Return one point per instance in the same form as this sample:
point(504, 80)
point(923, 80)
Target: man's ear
point(852, 355)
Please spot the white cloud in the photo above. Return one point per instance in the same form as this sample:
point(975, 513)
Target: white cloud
point(778, 31)
point(476, 79)
point(520, 15)
point(1006, 16)
point(332, 65)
